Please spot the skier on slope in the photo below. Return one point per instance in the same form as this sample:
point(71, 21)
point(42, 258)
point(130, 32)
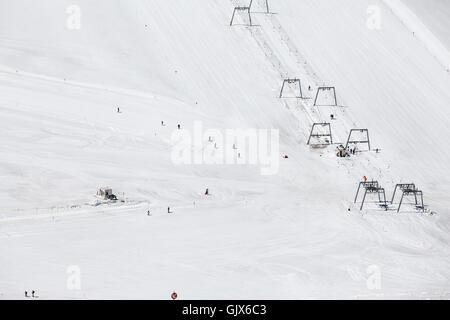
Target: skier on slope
point(207, 192)
point(340, 151)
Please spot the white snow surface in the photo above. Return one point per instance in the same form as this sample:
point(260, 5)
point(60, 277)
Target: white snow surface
point(284, 236)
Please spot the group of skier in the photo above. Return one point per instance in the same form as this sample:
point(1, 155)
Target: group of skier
point(33, 294)
point(343, 152)
point(162, 122)
point(168, 208)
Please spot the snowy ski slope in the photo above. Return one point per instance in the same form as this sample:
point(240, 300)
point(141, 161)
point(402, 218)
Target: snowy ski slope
point(284, 236)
